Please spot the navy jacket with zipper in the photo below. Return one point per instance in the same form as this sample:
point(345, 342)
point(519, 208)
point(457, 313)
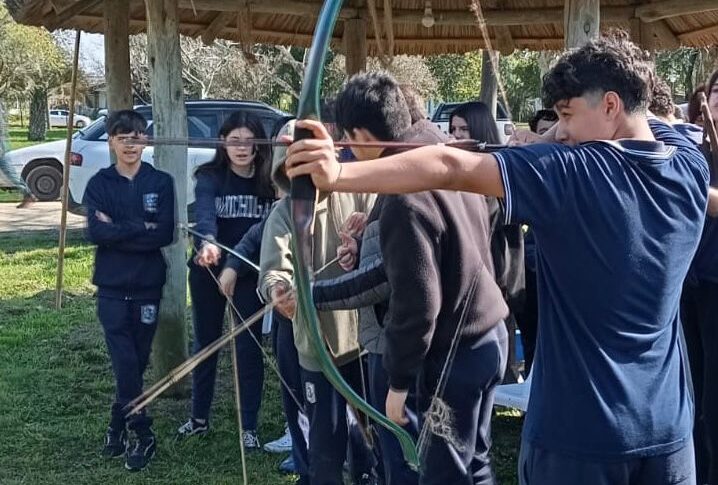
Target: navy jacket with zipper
point(128, 260)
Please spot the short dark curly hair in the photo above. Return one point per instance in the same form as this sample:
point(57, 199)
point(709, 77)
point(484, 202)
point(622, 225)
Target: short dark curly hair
point(661, 99)
point(542, 114)
point(373, 101)
point(611, 63)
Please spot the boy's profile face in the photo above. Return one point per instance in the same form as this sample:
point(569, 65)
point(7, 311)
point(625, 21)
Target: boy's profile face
point(361, 135)
point(587, 118)
point(126, 153)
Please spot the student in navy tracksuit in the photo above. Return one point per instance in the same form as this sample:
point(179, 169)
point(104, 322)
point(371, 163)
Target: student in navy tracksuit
point(233, 192)
point(130, 216)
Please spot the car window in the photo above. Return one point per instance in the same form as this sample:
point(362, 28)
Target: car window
point(53, 112)
point(443, 113)
point(202, 124)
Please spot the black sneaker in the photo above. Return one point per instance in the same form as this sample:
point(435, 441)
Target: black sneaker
point(193, 427)
point(140, 451)
point(250, 440)
point(115, 443)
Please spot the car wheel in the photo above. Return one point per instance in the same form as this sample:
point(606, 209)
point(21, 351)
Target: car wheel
point(45, 182)
point(80, 124)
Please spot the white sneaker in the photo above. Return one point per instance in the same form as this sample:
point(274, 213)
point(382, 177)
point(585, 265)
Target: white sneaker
point(281, 445)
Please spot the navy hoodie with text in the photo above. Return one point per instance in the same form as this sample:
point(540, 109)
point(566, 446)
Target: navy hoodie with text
point(128, 259)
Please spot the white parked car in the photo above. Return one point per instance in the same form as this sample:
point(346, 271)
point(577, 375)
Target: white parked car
point(41, 165)
point(59, 117)
point(442, 115)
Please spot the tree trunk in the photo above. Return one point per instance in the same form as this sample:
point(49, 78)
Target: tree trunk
point(489, 84)
point(37, 127)
point(170, 120)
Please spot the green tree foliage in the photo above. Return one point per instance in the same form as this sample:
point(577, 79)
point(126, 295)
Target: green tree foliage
point(31, 64)
point(458, 76)
point(685, 68)
point(521, 79)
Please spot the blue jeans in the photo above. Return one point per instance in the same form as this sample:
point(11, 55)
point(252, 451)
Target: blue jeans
point(538, 466)
point(208, 308)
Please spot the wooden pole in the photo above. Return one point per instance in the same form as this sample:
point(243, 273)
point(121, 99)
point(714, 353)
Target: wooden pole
point(117, 54)
point(582, 19)
point(66, 176)
point(170, 120)
point(489, 94)
point(355, 49)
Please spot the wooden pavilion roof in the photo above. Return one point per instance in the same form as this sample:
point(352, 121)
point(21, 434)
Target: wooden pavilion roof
point(531, 24)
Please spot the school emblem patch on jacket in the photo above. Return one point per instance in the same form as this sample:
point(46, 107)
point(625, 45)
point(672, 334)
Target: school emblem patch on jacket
point(148, 314)
point(151, 201)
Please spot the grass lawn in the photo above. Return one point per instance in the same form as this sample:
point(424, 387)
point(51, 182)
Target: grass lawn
point(56, 388)
point(18, 136)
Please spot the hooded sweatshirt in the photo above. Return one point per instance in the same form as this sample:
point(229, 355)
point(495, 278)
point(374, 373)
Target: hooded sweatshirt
point(340, 328)
point(436, 248)
point(128, 260)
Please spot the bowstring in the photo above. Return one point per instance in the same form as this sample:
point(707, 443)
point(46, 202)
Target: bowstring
point(439, 419)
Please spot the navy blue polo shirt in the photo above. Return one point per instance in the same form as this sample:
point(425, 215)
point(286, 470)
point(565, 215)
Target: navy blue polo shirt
point(617, 224)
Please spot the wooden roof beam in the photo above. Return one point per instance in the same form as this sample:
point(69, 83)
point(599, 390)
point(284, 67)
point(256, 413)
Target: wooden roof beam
point(219, 22)
point(503, 17)
point(654, 12)
point(71, 11)
point(713, 29)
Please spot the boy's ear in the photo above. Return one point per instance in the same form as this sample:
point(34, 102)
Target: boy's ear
point(362, 135)
point(613, 104)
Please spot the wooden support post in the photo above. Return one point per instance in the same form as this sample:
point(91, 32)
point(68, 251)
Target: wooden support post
point(355, 49)
point(582, 19)
point(170, 121)
point(66, 176)
point(489, 83)
point(117, 54)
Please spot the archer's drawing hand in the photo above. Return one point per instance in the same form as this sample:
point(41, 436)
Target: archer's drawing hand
point(355, 224)
point(315, 157)
point(102, 217)
point(524, 137)
point(283, 297)
point(208, 255)
point(395, 407)
point(227, 280)
point(347, 252)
